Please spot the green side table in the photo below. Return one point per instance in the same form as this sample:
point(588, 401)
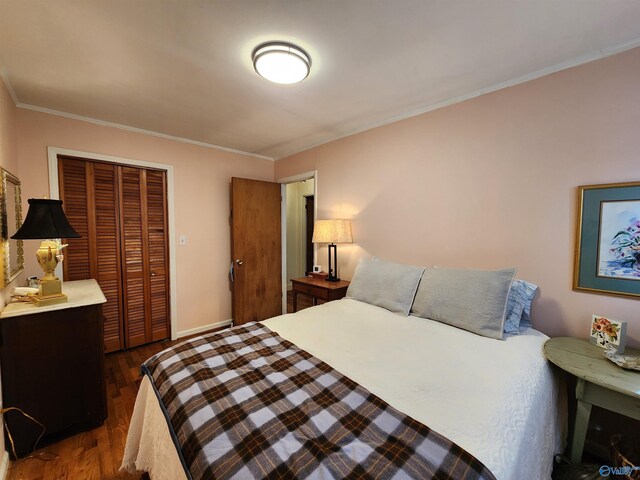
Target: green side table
point(599, 382)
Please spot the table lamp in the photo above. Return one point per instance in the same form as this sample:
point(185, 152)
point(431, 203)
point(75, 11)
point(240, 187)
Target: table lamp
point(46, 220)
point(332, 232)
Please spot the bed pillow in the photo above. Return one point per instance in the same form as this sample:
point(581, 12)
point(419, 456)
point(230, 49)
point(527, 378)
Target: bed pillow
point(519, 306)
point(474, 300)
point(385, 284)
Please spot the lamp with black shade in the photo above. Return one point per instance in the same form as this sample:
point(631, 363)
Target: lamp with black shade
point(46, 220)
point(332, 232)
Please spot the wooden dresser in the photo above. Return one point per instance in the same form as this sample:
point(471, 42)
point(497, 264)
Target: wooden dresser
point(52, 362)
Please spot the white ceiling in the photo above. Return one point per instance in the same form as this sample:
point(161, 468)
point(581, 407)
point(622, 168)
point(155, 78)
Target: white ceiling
point(183, 68)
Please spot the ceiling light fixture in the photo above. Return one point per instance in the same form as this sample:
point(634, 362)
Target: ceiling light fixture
point(281, 62)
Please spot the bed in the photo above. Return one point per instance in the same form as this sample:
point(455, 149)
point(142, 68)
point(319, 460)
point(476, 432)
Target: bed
point(496, 399)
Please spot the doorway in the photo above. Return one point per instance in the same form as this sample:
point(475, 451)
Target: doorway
point(299, 213)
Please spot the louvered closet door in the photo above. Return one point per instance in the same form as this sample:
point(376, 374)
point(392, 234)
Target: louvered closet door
point(121, 214)
point(74, 195)
point(158, 253)
point(107, 243)
point(145, 265)
point(90, 194)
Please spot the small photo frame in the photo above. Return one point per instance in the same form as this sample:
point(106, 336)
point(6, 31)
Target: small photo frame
point(606, 331)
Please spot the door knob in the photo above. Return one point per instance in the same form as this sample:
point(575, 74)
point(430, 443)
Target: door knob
point(238, 261)
point(153, 274)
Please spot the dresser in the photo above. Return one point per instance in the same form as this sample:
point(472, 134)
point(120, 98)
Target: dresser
point(52, 363)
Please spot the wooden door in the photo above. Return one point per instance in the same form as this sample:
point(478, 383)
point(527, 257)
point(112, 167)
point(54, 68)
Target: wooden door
point(158, 244)
point(256, 250)
point(145, 268)
point(90, 194)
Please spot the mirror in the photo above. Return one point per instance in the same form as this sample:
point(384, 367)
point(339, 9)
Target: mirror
point(10, 220)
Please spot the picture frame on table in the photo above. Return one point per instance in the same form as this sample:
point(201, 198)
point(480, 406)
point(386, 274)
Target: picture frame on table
point(608, 333)
point(607, 258)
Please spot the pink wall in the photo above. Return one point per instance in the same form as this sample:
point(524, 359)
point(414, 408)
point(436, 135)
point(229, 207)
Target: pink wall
point(491, 182)
point(8, 157)
point(8, 161)
point(8, 154)
point(202, 178)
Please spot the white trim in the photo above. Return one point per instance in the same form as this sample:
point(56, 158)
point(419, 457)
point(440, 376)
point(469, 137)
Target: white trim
point(54, 192)
point(286, 284)
point(128, 128)
point(204, 328)
point(4, 465)
point(299, 177)
point(283, 244)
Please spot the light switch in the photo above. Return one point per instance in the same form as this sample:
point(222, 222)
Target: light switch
point(183, 239)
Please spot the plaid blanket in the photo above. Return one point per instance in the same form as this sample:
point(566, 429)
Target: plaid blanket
point(245, 403)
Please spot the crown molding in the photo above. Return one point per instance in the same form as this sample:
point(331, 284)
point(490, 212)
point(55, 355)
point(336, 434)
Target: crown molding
point(577, 61)
point(142, 131)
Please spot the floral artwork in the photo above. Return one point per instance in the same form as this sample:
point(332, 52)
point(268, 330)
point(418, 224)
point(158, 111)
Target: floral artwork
point(605, 331)
point(607, 256)
point(619, 252)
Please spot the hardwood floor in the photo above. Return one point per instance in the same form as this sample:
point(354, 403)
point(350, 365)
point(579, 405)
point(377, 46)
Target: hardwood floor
point(96, 454)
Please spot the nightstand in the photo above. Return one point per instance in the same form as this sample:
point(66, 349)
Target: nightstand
point(599, 382)
point(318, 289)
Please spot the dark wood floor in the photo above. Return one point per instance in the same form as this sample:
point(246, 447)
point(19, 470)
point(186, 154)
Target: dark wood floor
point(96, 454)
point(304, 301)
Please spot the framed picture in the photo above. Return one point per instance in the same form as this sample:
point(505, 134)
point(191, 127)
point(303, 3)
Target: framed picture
point(608, 239)
point(606, 331)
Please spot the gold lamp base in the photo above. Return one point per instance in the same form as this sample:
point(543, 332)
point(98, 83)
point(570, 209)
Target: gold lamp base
point(50, 300)
point(50, 291)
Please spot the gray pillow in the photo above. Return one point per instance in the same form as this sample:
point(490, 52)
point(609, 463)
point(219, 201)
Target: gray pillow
point(474, 300)
point(385, 284)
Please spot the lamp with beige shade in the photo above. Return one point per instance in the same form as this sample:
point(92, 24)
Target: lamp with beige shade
point(332, 232)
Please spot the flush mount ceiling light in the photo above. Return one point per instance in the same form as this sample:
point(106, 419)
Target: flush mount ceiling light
point(281, 62)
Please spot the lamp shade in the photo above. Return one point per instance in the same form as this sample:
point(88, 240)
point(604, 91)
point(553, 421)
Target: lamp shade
point(332, 231)
point(45, 219)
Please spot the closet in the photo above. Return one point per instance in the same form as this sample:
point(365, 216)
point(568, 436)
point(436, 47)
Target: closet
point(120, 212)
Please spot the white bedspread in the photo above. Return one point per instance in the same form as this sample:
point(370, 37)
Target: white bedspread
point(496, 399)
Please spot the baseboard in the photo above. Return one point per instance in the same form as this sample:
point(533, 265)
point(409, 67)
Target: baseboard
point(203, 328)
point(4, 466)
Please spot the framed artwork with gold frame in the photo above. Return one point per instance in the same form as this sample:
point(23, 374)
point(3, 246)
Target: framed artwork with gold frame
point(607, 257)
point(12, 256)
